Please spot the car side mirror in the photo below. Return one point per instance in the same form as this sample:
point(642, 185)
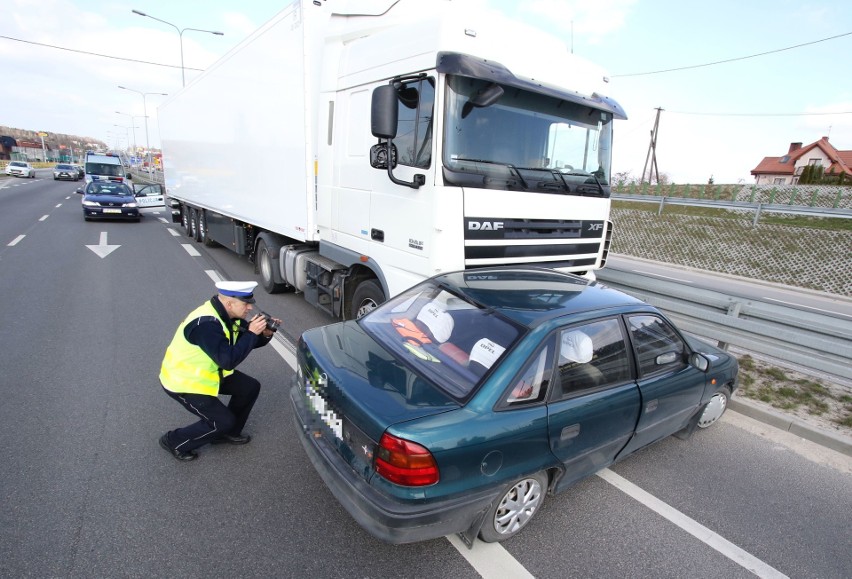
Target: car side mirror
point(666, 358)
point(699, 361)
point(80, 192)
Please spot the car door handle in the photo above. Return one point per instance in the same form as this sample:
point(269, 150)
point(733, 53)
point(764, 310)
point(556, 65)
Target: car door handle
point(651, 406)
point(570, 432)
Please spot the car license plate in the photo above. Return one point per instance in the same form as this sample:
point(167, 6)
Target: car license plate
point(112, 210)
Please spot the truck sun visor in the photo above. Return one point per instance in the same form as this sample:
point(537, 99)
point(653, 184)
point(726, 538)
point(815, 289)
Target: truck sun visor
point(474, 67)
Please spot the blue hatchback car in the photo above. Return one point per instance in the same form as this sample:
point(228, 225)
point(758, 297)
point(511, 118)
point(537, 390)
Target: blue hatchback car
point(460, 404)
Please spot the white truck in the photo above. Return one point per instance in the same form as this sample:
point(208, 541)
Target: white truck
point(352, 149)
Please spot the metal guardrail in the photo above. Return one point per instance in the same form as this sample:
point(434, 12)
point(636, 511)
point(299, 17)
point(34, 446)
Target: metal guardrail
point(758, 208)
point(154, 177)
point(811, 340)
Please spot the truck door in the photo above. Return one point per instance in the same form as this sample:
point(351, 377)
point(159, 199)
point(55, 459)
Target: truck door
point(401, 217)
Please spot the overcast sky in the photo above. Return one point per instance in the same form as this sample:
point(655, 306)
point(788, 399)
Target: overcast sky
point(718, 119)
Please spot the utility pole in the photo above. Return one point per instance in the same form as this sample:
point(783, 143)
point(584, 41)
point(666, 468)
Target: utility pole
point(652, 170)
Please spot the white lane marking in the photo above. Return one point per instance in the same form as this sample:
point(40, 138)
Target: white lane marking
point(694, 528)
point(802, 306)
point(490, 560)
point(163, 219)
point(43, 217)
point(190, 250)
point(285, 349)
point(59, 204)
point(173, 232)
point(16, 240)
point(639, 271)
point(214, 275)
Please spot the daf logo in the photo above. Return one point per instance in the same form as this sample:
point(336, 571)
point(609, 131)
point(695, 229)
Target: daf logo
point(595, 226)
point(484, 225)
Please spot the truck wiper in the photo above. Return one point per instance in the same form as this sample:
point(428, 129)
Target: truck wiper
point(587, 174)
point(509, 166)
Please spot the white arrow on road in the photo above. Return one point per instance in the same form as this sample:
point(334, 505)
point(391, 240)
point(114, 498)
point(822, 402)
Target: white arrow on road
point(102, 249)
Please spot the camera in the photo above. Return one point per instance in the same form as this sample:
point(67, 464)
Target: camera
point(271, 324)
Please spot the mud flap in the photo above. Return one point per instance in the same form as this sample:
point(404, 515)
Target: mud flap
point(469, 535)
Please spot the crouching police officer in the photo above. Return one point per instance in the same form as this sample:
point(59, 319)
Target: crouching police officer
point(200, 364)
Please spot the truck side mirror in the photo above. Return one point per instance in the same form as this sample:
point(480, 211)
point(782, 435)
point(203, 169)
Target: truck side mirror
point(384, 116)
point(383, 112)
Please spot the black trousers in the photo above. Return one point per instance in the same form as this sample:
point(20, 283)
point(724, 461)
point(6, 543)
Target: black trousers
point(216, 418)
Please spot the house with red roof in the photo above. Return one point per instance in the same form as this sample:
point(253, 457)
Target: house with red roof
point(787, 169)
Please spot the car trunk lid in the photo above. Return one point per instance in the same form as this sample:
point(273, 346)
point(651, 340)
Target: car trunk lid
point(353, 390)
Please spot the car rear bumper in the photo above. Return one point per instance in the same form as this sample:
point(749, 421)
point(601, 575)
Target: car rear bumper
point(386, 518)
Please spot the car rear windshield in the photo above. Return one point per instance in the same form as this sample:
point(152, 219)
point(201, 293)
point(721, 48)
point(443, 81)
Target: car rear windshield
point(103, 169)
point(445, 338)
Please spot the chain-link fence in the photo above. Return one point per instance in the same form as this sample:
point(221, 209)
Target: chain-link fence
point(803, 252)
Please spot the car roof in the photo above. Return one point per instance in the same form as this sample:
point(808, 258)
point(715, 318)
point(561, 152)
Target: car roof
point(533, 295)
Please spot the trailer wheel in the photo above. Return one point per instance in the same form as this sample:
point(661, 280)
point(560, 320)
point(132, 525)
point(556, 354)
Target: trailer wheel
point(193, 223)
point(368, 296)
point(266, 266)
point(184, 218)
point(203, 234)
point(200, 225)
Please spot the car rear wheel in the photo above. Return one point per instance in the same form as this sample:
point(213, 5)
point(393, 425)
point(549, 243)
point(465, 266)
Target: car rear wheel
point(368, 296)
point(715, 408)
point(515, 508)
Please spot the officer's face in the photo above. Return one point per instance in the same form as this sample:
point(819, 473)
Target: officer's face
point(239, 309)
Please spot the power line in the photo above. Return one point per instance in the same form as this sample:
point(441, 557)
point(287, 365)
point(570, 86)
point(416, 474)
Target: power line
point(732, 59)
point(96, 54)
point(759, 114)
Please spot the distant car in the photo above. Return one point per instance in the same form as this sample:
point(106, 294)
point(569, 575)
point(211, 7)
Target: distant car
point(109, 200)
point(458, 405)
point(20, 169)
point(80, 170)
point(64, 171)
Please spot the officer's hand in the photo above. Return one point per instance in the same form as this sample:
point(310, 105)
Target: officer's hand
point(257, 324)
point(268, 332)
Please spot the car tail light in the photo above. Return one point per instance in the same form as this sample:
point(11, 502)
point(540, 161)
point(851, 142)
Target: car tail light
point(405, 463)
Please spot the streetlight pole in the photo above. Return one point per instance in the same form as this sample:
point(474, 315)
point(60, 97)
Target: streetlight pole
point(145, 108)
point(180, 34)
point(127, 134)
point(132, 122)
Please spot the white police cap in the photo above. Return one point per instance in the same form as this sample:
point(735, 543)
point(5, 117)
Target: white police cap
point(242, 290)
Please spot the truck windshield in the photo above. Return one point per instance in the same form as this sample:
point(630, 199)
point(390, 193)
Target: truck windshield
point(103, 169)
point(525, 141)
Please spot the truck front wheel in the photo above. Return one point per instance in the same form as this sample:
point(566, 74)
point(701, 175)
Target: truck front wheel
point(368, 296)
point(266, 265)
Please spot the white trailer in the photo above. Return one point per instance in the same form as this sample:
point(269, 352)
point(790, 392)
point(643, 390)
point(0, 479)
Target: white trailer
point(500, 145)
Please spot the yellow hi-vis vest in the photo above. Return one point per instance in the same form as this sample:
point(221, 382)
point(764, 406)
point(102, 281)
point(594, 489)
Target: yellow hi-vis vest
point(186, 368)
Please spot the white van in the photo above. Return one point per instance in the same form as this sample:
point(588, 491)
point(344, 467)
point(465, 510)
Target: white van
point(105, 167)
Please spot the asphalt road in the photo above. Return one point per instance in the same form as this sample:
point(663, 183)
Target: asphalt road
point(87, 492)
